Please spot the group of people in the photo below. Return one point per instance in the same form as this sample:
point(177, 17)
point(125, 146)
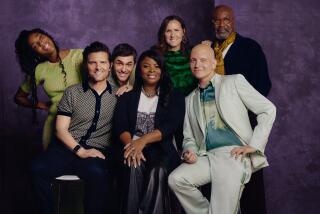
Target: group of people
point(174, 118)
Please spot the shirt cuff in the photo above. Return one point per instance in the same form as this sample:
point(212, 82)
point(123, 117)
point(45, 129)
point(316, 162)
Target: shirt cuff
point(64, 113)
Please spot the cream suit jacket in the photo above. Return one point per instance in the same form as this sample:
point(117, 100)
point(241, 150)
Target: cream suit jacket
point(234, 97)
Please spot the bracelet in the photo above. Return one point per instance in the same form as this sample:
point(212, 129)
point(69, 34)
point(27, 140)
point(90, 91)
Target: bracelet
point(76, 149)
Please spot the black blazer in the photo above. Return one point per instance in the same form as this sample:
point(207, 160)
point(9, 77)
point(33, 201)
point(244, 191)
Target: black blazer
point(167, 120)
point(246, 57)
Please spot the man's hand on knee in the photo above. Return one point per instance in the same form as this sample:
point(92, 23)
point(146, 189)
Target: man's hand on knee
point(189, 156)
point(90, 153)
point(242, 151)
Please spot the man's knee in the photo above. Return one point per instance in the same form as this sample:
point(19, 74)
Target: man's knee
point(96, 172)
point(175, 180)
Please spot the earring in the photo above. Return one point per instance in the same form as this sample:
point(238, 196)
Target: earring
point(184, 40)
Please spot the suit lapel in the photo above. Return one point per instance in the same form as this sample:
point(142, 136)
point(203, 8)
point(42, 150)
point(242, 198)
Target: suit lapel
point(134, 108)
point(158, 114)
point(198, 111)
point(217, 86)
point(230, 56)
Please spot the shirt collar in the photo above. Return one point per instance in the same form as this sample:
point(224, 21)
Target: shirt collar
point(211, 82)
point(86, 86)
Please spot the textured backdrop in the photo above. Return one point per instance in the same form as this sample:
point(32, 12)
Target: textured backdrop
point(287, 30)
point(74, 24)
point(289, 34)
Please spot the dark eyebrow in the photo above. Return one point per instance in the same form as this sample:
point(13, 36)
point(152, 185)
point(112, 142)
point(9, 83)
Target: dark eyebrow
point(37, 36)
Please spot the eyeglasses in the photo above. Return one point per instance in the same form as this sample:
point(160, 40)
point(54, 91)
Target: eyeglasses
point(225, 21)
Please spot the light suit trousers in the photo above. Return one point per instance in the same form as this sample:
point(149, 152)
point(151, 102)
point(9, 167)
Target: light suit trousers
point(226, 174)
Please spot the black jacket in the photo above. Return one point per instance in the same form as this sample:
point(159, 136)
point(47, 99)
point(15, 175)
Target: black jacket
point(167, 120)
point(246, 57)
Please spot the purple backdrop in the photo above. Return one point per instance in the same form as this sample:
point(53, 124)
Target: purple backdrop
point(289, 34)
point(287, 31)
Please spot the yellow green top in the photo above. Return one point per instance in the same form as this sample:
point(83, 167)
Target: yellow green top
point(50, 76)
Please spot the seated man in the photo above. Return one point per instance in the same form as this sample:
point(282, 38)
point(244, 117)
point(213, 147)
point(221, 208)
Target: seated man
point(219, 144)
point(84, 135)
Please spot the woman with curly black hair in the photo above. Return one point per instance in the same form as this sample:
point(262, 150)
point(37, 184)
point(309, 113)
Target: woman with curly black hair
point(45, 64)
point(145, 121)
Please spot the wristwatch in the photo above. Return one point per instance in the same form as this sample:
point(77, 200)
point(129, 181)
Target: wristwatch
point(76, 149)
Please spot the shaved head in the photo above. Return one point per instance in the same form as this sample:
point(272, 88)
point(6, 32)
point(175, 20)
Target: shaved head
point(204, 48)
point(202, 63)
point(223, 20)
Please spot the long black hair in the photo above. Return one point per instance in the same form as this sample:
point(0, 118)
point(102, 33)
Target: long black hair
point(29, 59)
point(162, 45)
point(164, 84)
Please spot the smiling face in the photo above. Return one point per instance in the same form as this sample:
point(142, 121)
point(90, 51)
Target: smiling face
point(174, 34)
point(98, 66)
point(223, 20)
point(202, 63)
point(150, 72)
point(123, 67)
point(41, 44)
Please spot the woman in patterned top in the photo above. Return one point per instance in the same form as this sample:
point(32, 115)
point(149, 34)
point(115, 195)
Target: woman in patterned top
point(44, 63)
point(144, 122)
point(174, 44)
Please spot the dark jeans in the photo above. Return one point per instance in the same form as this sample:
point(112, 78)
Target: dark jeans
point(57, 161)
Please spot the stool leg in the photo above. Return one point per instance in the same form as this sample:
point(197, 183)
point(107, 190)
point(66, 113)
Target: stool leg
point(59, 197)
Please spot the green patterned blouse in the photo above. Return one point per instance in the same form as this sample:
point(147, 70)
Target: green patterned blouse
point(177, 64)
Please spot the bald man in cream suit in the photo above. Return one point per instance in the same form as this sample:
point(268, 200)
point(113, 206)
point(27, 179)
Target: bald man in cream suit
point(219, 144)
